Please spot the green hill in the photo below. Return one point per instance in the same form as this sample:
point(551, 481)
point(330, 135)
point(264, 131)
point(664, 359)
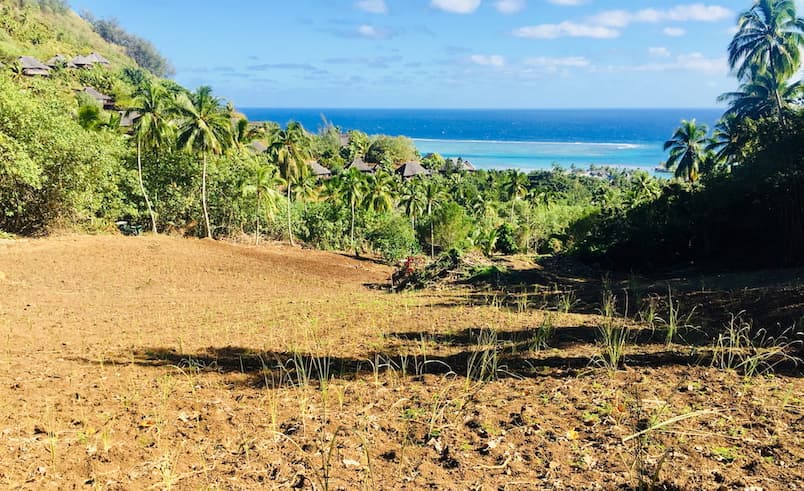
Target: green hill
point(45, 28)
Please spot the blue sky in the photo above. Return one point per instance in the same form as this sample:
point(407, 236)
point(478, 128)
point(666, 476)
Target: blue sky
point(442, 53)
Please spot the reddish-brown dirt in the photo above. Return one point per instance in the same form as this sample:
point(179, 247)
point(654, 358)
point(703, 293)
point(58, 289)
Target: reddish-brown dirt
point(155, 362)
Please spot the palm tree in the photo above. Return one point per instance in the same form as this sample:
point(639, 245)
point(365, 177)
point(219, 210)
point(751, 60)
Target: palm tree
point(380, 192)
point(768, 39)
point(763, 96)
point(305, 187)
point(262, 185)
point(434, 194)
point(644, 188)
point(516, 187)
point(152, 128)
point(290, 151)
point(204, 128)
point(727, 140)
point(351, 189)
point(686, 150)
point(411, 199)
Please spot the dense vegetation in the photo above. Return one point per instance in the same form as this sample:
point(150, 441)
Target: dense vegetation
point(189, 165)
point(141, 50)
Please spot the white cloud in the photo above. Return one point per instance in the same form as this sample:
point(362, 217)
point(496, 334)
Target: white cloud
point(692, 62)
point(569, 3)
point(696, 12)
point(372, 6)
point(568, 62)
point(488, 60)
point(371, 32)
point(659, 52)
point(674, 32)
point(566, 29)
point(510, 6)
point(456, 6)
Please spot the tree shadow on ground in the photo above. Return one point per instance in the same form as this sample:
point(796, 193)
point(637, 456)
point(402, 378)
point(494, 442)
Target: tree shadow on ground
point(468, 356)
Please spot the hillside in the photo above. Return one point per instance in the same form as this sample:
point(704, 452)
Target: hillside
point(44, 32)
point(155, 362)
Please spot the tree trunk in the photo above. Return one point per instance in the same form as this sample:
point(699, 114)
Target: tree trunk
point(776, 96)
point(257, 224)
point(290, 222)
point(432, 240)
point(352, 235)
point(204, 195)
point(142, 184)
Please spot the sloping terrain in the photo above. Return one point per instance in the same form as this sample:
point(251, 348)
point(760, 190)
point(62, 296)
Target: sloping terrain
point(130, 363)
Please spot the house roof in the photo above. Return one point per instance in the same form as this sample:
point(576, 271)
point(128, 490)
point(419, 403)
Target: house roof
point(57, 60)
point(258, 146)
point(319, 170)
point(31, 63)
point(467, 166)
point(82, 61)
point(92, 92)
point(96, 58)
point(128, 118)
point(361, 165)
point(412, 169)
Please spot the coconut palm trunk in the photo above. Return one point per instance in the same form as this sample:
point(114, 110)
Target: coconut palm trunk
point(204, 194)
point(432, 235)
point(352, 232)
point(290, 223)
point(142, 184)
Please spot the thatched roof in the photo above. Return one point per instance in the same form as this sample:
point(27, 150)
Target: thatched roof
point(59, 60)
point(258, 146)
point(467, 166)
point(412, 169)
point(128, 118)
point(362, 166)
point(344, 139)
point(92, 92)
point(81, 61)
point(99, 59)
point(32, 66)
point(319, 170)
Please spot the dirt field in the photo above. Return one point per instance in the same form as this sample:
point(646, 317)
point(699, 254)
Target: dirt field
point(154, 362)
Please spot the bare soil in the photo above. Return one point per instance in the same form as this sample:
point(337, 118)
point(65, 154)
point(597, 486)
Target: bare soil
point(156, 362)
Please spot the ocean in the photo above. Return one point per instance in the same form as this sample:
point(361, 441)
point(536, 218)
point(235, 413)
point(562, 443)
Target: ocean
point(525, 139)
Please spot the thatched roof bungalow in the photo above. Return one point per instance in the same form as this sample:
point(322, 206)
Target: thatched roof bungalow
point(98, 59)
point(31, 67)
point(409, 170)
point(106, 101)
point(257, 146)
point(361, 165)
point(129, 118)
point(320, 171)
point(59, 61)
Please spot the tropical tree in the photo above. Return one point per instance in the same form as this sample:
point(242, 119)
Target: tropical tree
point(305, 187)
point(351, 187)
point(153, 128)
point(515, 187)
point(289, 149)
point(768, 38)
point(204, 128)
point(727, 142)
point(263, 184)
point(686, 150)
point(763, 96)
point(411, 199)
point(380, 192)
point(434, 194)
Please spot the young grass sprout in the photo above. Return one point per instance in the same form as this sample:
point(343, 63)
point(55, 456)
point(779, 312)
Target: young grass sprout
point(753, 353)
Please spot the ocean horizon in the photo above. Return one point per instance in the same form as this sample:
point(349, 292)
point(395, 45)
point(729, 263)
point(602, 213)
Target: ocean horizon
point(524, 139)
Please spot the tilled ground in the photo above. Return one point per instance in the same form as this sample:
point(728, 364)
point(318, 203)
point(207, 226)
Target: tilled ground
point(131, 363)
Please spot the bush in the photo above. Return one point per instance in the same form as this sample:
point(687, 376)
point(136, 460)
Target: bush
point(506, 239)
point(392, 237)
point(451, 227)
point(51, 169)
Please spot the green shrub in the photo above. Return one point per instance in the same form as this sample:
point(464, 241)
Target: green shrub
point(506, 239)
point(392, 237)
